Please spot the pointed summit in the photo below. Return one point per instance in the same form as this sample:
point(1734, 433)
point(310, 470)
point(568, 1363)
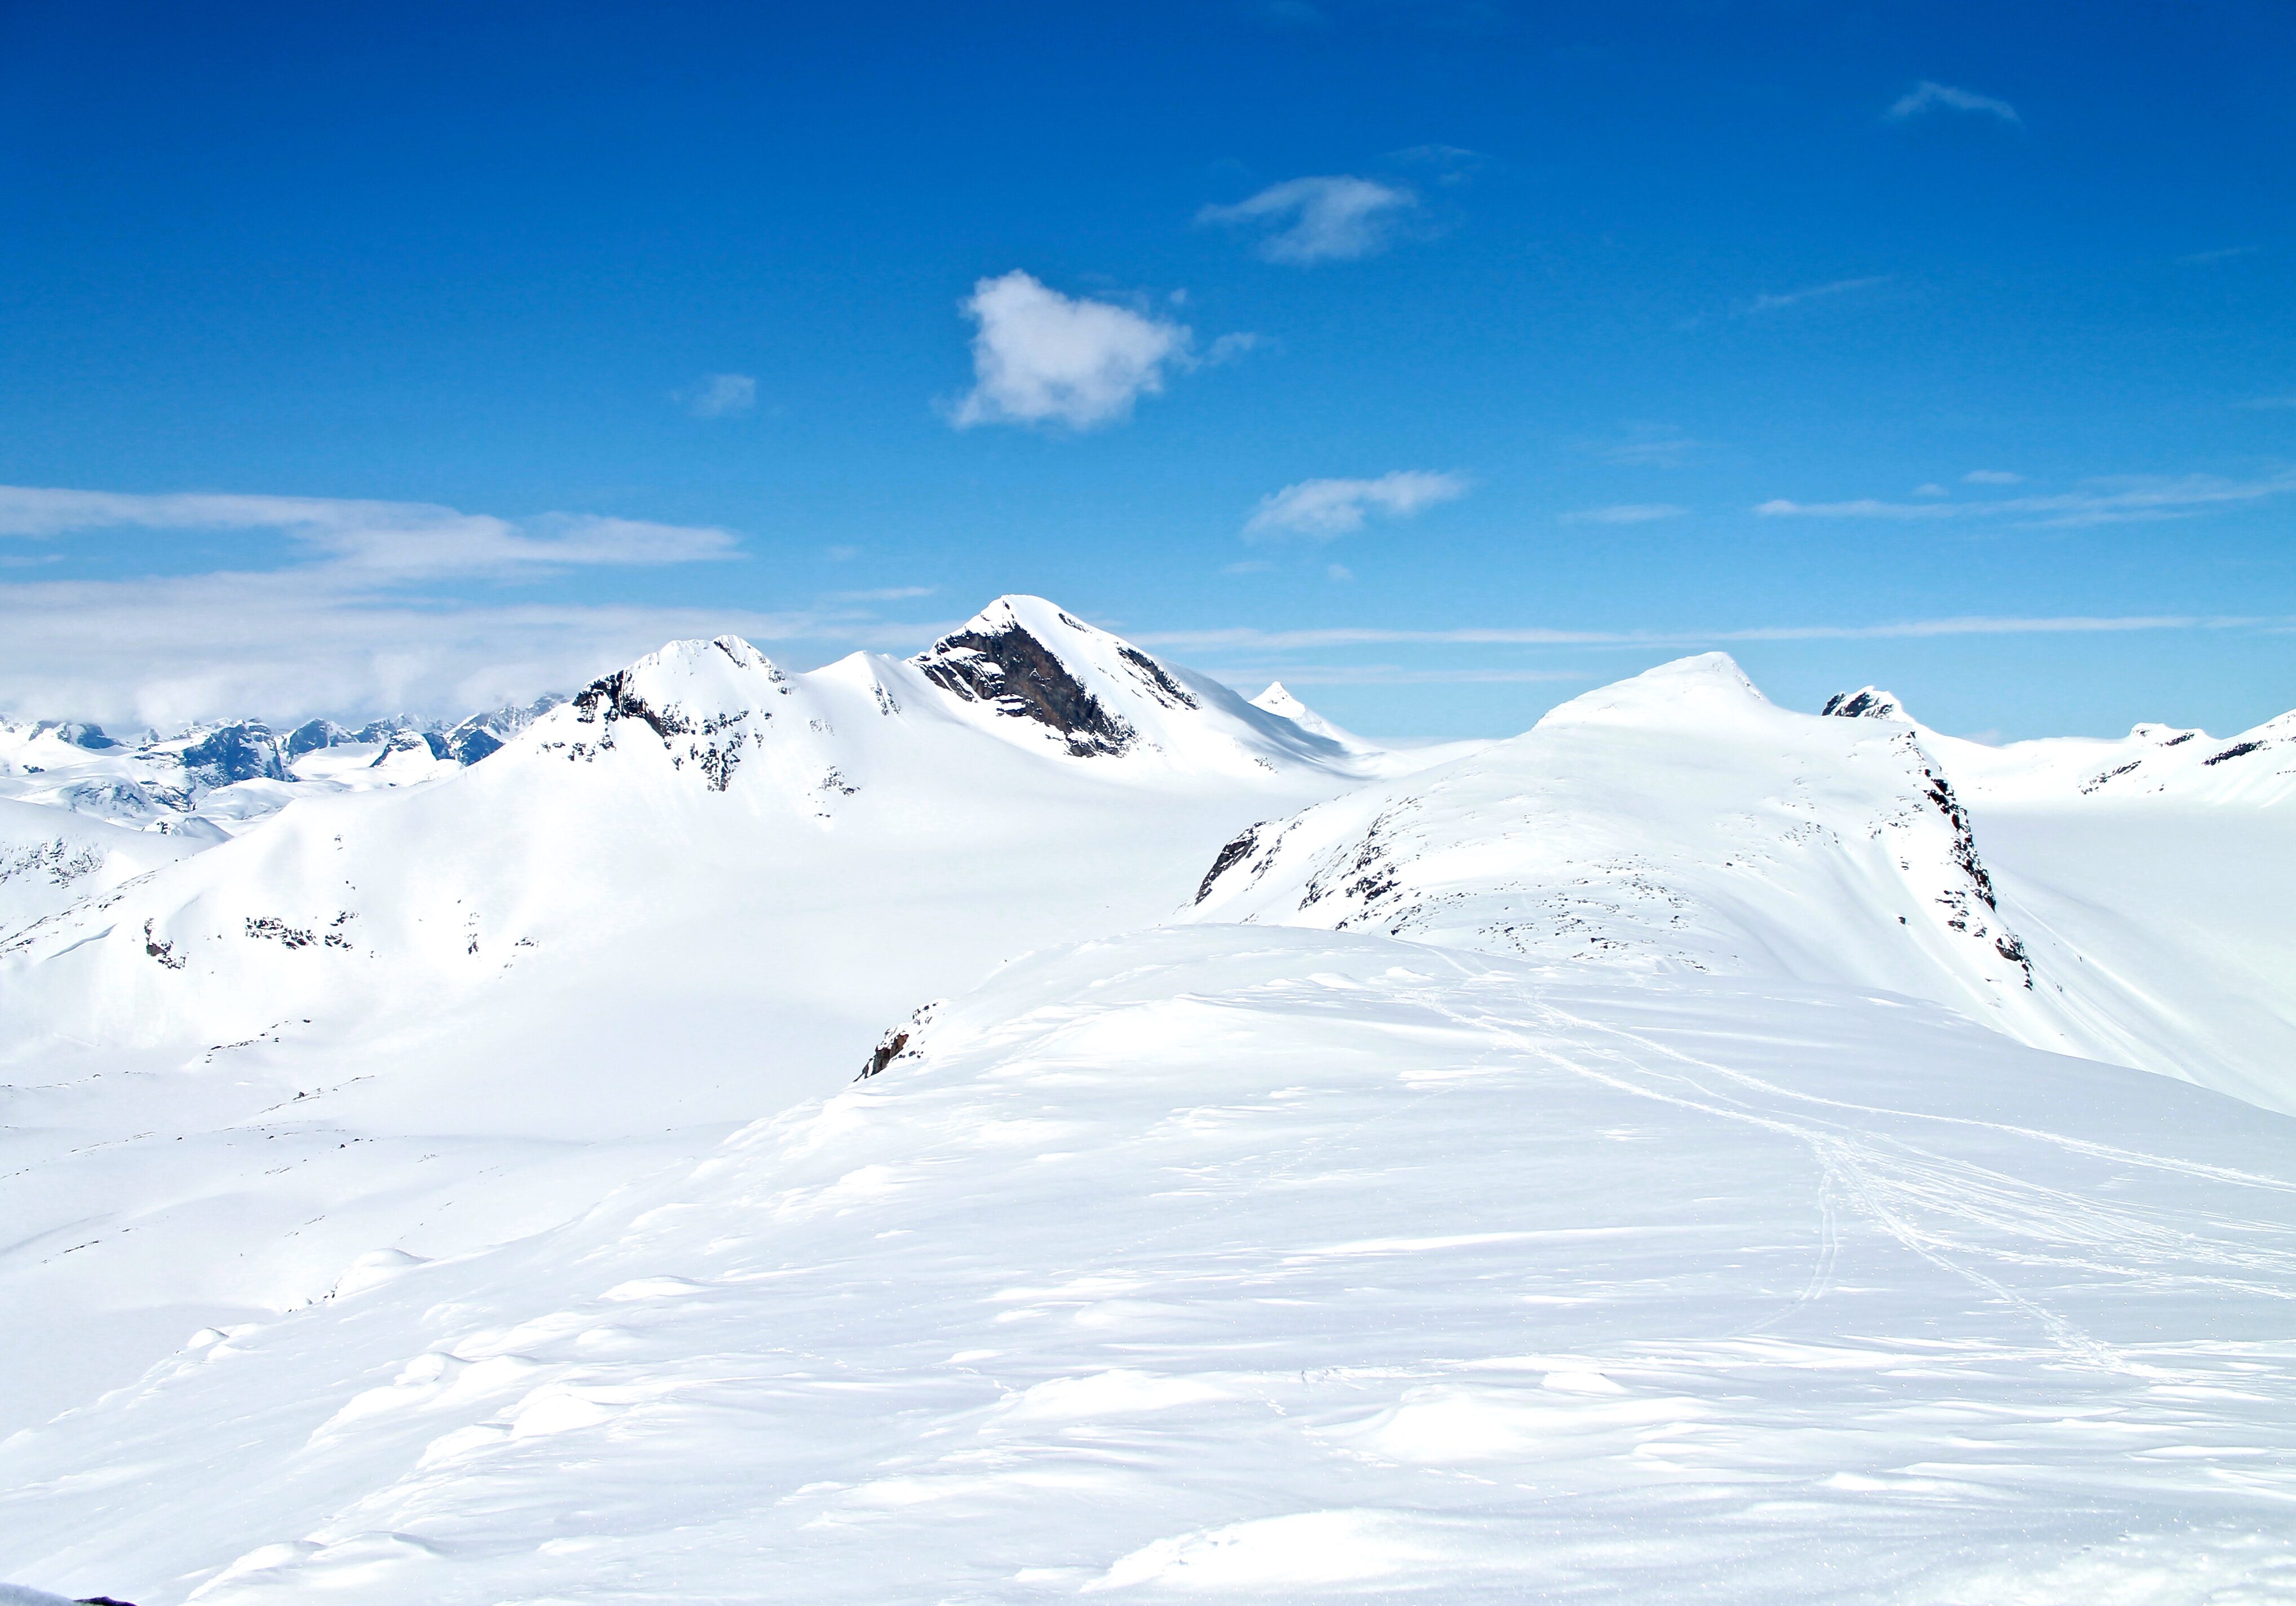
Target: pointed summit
point(1867, 703)
point(1278, 701)
point(1025, 659)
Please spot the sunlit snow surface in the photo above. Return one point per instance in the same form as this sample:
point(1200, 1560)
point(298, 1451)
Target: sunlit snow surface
point(1623, 1163)
point(1233, 1264)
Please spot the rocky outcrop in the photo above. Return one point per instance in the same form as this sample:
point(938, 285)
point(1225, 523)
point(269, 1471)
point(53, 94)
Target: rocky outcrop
point(1019, 676)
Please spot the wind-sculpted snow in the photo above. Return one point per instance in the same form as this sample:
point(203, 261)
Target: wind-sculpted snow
point(1246, 1264)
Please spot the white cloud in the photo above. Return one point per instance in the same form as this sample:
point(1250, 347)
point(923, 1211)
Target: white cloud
point(1318, 220)
point(1321, 509)
point(1926, 97)
point(1626, 513)
point(1932, 490)
point(1814, 292)
point(401, 540)
point(1992, 477)
point(2211, 258)
point(2120, 500)
point(1338, 573)
point(363, 618)
point(719, 395)
point(1043, 357)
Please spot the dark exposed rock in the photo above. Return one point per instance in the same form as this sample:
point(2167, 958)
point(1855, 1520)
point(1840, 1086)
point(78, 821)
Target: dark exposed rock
point(312, 735)
point(615, 696)
point(245, 751)
point(1017, 675)
point(1168, 691)
point(89, 736)
point(1239, 849)
point(1871, 703)
point(2094, 781)
point(2238, 750)
point(897, 1041)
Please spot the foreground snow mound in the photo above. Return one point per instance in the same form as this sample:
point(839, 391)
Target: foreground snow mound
point(1677, 821)
point(1250, 1263)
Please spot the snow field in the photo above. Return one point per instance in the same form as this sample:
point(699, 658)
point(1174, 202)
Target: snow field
point(1256, 1263)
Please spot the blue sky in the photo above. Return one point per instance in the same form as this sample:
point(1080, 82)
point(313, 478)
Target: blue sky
point(1442, 359)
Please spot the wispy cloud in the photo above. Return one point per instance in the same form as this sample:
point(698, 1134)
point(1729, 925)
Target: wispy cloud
point(720, 394)
point(1310, 220)
point(884, 594)
point(1396, 675)
point(2268, 403)
point(2209, 259)
point(1992, 477)
point(1321, 509)
point(397, 540)
point(1794, 298)
point(1626, 513)
point(1247, 640)
point(363, 616)
point(1652, 446)
point(2126, 499)
point(1929, 97)
point(1039, 356)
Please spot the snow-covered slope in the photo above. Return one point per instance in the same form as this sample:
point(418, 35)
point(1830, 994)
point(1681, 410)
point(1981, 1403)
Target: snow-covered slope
point(2150, 878)
point(694, 895)
point(51, 858)
point(1675, 821)
point(1679, 820)
point(1261, 1265)
point(2171, 763)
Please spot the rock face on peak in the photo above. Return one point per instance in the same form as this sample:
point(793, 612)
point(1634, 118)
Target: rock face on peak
point(243, 751)
point(998, 661)
point(1867, 703)
point(704, 701)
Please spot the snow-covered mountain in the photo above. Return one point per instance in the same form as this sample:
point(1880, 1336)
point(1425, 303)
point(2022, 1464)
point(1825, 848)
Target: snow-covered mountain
point(212, 781)
point(1680, 821)
point(1500, 1172)
point(696, 892)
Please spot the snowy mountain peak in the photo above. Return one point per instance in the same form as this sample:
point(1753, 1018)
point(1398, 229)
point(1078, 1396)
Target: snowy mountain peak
point(1867, 703)
point(1676, 820)
point(702, 700)
point(1706, 685)
point(1278, 701)
point(1023, 658)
